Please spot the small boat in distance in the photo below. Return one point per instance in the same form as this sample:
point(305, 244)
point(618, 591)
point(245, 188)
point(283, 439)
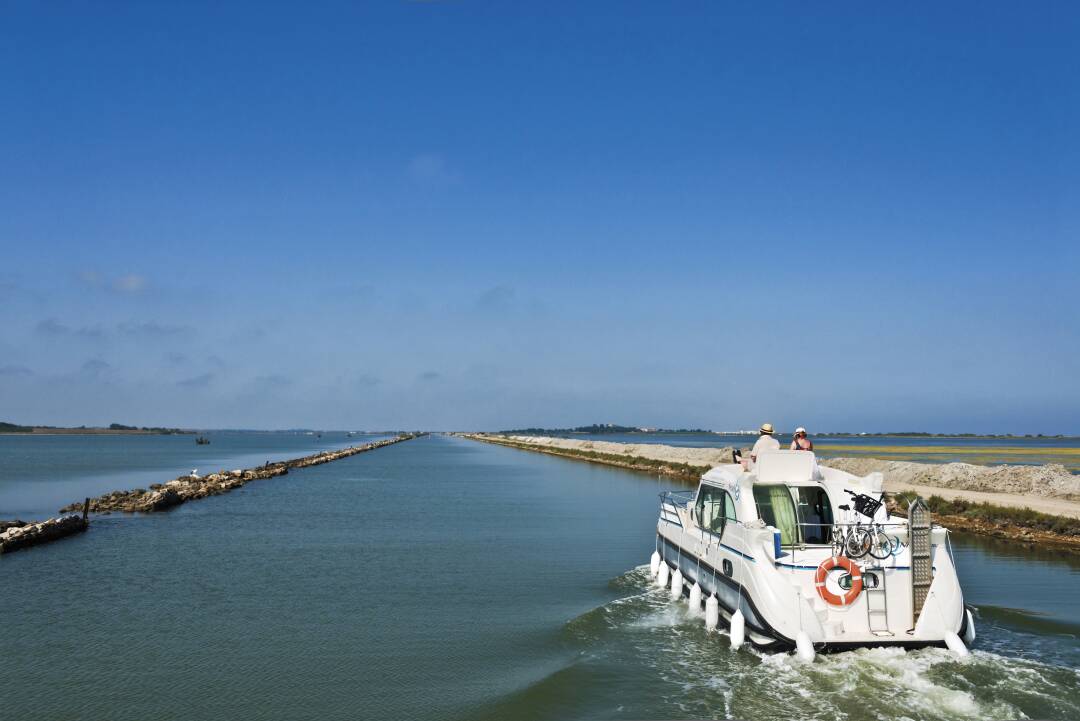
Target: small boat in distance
point(202, 441)
point(796, 556)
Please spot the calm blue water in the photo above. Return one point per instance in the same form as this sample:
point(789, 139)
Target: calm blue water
point(446, 579)
point(41, 473)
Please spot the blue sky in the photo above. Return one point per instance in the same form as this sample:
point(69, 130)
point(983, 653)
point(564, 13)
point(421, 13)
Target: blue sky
point(489, 215)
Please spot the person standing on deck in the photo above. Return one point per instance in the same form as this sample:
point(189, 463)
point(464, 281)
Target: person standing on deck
point(800, 442)
point(765, 442)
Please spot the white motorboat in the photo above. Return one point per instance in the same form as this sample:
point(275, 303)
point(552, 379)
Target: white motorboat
point(795, 555)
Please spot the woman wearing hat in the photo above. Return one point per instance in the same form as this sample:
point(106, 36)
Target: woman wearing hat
point(800, 442)
point(765, 442)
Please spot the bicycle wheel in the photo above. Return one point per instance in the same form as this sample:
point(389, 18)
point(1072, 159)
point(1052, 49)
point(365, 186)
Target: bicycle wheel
point(880, 546)
point(897, 546)
point(858, 543)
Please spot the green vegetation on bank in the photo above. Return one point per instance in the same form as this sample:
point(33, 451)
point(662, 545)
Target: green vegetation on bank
point(997, 515)
point(607, 428)
point(12, 428)
point(113, 428)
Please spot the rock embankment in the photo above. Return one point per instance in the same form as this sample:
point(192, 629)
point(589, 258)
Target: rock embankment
point(1049, 481)
point(684, 463)
point(15, 535)
point(1052, 481)
point(162, 496)
point(651, 451)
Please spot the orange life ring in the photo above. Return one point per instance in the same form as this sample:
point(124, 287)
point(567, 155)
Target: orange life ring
point(856, 580)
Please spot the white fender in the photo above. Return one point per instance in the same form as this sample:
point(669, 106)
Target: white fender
point(676, 585)
point(804, 649)
point(695, 599)
point(738, 628)
point(712, 613)
point(969, 632)
point(956, 645)
point(662, 576)
point(654, 564)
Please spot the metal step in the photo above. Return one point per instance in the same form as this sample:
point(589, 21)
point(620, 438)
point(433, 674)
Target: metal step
point(877, 603)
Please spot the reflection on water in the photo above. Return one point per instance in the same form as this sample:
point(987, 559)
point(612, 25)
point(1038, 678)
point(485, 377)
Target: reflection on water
point(441, 578)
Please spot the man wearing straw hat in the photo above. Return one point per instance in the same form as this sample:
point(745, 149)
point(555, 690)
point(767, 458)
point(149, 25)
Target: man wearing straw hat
point(765, 442)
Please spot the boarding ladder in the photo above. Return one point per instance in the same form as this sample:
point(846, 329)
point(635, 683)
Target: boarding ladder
point(922, 572)
point(877, 601)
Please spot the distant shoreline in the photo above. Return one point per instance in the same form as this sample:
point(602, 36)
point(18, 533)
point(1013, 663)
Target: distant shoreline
point(665, 431)
point(42, 431)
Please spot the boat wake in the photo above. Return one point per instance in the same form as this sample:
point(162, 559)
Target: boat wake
point(646, 656)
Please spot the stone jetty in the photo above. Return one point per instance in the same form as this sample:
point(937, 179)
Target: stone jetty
point(15, 535)
point(162, 496)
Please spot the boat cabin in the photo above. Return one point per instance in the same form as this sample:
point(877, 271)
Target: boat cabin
point(787, 490)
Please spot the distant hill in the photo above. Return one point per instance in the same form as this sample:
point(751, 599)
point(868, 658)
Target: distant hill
point(12, 428)
point(113, 429)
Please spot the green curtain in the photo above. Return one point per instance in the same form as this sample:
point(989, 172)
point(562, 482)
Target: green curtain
point(784, 513)
point(777, 509)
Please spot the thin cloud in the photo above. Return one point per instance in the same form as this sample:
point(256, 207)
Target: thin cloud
point(95, 367)
point(176, 358)
point(14, 370)
point(199, 381)
point(430, 376)
point(152, 329)
point(430, 169)
point(130, 283)
point(498, 298)
point(90, 278)
point(51, 326)
point(273, 381)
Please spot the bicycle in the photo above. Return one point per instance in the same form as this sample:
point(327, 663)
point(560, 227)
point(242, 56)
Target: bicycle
point(879, 544)
point(851, 541)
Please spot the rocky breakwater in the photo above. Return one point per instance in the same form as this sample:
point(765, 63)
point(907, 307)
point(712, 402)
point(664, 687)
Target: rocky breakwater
point(15, 535)
point(162, 496)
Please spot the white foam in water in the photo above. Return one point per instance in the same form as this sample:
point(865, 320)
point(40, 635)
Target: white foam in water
point(703, 677)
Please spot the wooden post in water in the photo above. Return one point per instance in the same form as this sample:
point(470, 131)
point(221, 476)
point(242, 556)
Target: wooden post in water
point(85, 511)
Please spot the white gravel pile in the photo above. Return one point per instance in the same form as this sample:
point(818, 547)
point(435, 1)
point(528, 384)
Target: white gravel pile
point(1049, 481)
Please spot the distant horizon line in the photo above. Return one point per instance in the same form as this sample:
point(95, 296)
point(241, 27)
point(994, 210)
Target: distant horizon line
point(7, 428)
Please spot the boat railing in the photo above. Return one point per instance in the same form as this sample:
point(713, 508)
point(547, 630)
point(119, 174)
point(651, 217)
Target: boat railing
point(829, 529)
point(670, 504)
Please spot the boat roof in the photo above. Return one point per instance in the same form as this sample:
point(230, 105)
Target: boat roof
point(772, 467)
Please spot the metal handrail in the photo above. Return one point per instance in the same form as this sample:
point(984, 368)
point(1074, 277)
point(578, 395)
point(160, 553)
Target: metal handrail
point(680, 498)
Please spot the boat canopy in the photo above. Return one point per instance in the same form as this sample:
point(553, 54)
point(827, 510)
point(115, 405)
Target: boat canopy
point(786, 467)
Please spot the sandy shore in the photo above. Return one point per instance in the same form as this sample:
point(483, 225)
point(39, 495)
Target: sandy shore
point(1048, 489)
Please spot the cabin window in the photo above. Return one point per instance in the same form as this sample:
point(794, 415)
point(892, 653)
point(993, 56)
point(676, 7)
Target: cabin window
point(776, 507)
point(815, 514)
point(714, 506)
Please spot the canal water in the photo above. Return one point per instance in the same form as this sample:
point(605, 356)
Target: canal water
point(446, 579)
